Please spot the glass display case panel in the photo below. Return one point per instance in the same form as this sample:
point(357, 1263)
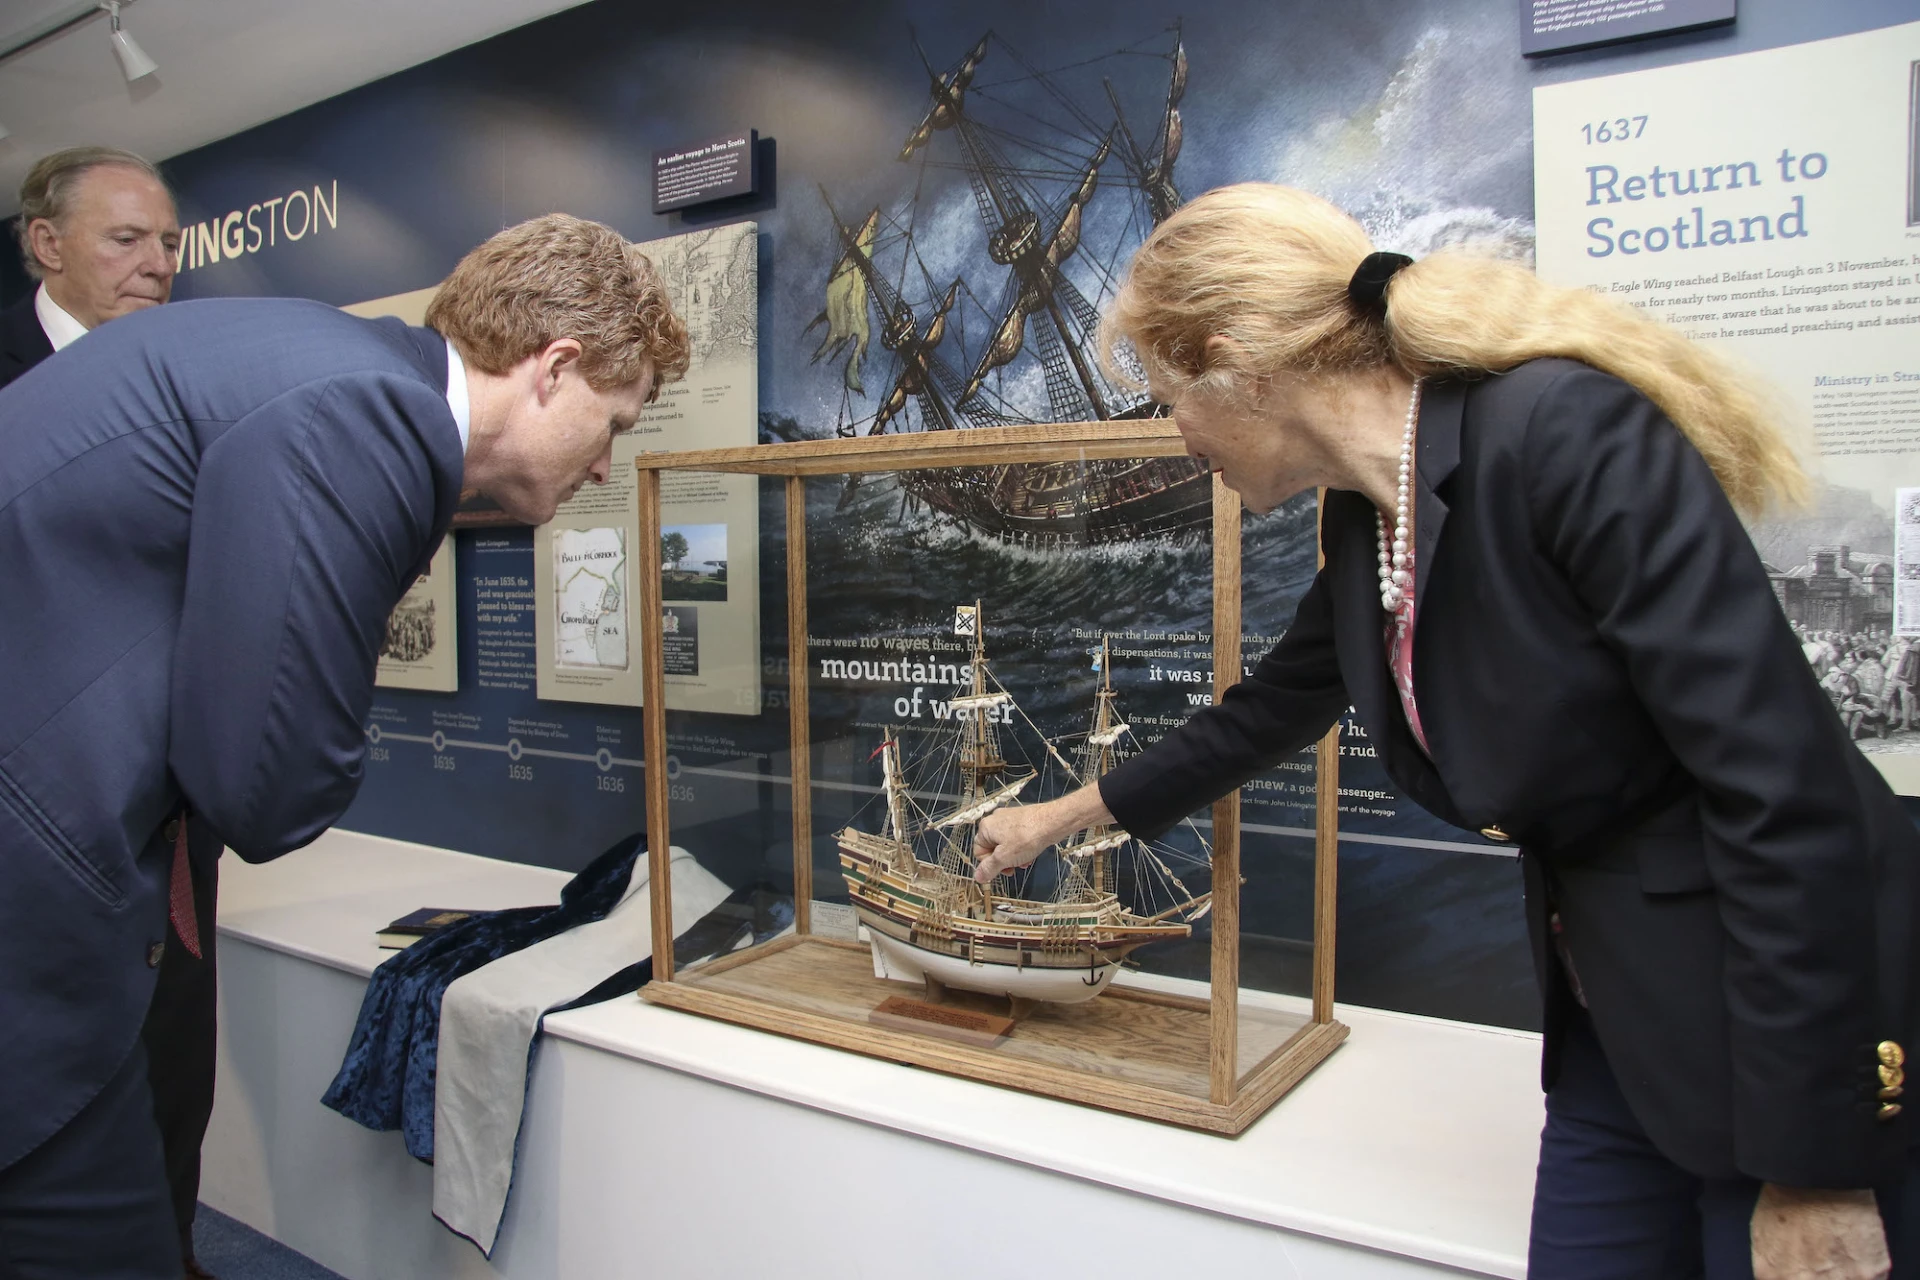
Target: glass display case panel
point(944, 660)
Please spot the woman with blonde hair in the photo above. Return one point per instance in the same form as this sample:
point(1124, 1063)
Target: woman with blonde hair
point(1539, 598)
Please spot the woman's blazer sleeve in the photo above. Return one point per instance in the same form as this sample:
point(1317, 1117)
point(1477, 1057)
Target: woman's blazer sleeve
point(1293, 695)
point(1631, 513)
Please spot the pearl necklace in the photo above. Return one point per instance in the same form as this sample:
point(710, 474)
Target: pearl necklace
point(1396, 578)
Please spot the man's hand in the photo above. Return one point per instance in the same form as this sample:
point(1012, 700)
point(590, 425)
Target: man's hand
point(1016, 835)
point(1818, 1235)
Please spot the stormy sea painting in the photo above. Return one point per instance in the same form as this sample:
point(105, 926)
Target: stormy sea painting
point(959, 286)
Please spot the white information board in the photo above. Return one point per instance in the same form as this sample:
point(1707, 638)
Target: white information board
point(1764, 203)
point(584, 562)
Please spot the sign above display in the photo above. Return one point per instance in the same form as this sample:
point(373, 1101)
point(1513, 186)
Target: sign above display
point(259, 226)
point(715, 169)
point(1560, 26)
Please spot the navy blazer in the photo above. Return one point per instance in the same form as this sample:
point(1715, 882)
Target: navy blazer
point(207, 512)
point(1605, 676)
point(23, 343)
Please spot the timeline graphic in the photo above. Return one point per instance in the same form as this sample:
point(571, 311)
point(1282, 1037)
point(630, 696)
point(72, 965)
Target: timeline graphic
point(608, 781)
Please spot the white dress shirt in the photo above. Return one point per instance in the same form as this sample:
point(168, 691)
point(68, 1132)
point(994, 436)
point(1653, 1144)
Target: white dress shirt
point(457, 394)
point(60, 327)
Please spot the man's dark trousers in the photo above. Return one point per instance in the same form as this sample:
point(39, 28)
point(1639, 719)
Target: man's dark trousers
point(180, 1037)
point(1607, 1205)
point(65, 1211)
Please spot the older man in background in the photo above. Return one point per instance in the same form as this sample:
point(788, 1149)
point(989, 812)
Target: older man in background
point(98, 230)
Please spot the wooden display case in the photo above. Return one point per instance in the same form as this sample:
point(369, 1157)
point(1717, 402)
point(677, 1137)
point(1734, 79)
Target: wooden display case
point(1211, 1064)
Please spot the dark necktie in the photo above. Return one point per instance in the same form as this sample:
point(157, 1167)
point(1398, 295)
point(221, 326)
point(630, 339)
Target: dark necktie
point(180, 894)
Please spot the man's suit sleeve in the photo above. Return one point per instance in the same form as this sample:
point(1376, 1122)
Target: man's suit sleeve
point(23, 343)
point(1632, 514)
point(308, 516)
point(1291, 698)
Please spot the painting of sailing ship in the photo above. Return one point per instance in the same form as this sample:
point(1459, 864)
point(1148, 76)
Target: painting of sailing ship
point(1057, 931)
point(1064, 186)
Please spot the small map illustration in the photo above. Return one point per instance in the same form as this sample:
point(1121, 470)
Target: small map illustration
point(711, 277)
point(590, 597)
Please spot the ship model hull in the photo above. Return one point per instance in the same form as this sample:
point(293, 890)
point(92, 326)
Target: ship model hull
point(923, 922)
point(900, 961)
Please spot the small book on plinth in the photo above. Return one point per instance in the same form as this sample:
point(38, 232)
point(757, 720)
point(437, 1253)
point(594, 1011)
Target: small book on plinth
point(415, 925)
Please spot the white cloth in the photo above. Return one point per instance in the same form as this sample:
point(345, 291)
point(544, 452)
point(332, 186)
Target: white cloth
point(59, 326)
point(488, 1021)
point(457, 394)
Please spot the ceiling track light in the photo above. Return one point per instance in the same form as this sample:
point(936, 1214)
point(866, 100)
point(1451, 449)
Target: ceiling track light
point(134, 62)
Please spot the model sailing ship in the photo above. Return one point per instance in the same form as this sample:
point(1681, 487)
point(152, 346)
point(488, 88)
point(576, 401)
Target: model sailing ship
point(912, 883)
point(1062, 187)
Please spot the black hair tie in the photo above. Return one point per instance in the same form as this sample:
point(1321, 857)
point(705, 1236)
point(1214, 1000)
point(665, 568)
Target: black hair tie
point(1368, 288)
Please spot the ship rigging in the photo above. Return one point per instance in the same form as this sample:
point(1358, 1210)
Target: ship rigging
point(1056, 931)
point(1000, 324)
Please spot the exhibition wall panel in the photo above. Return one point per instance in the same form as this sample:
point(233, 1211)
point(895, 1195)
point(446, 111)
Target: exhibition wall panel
point(1416, 116)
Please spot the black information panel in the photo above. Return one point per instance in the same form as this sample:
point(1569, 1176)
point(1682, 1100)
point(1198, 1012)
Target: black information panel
point(711, 170)
point(1556, 26)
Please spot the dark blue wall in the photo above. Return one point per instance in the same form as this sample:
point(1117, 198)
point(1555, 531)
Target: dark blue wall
point(1407, 111)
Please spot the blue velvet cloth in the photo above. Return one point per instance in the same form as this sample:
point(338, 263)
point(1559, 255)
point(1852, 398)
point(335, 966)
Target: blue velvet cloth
point(386, 1080)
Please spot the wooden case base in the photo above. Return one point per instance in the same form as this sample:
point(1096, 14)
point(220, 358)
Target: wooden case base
point(1139, 1052)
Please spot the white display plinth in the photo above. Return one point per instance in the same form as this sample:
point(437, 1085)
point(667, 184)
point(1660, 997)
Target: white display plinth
point(663, 1144)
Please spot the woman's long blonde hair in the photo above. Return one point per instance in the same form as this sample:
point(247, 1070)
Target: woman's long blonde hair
point(1266, 267)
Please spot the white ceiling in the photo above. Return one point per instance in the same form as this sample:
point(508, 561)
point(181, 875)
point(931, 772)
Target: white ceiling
point(225, 65)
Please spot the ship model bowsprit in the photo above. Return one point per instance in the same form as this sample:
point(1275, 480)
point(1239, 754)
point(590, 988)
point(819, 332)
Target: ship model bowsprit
point(1057, 931)
point(1063, 192)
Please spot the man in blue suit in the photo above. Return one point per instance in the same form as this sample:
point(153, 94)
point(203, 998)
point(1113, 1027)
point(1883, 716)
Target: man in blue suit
point(207, 512)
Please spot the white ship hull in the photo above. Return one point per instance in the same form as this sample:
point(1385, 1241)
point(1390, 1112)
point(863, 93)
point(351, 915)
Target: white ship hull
point(904, 962)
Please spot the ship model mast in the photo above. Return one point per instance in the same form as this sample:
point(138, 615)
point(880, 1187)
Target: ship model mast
point(983, 769)
point(1096, 845)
